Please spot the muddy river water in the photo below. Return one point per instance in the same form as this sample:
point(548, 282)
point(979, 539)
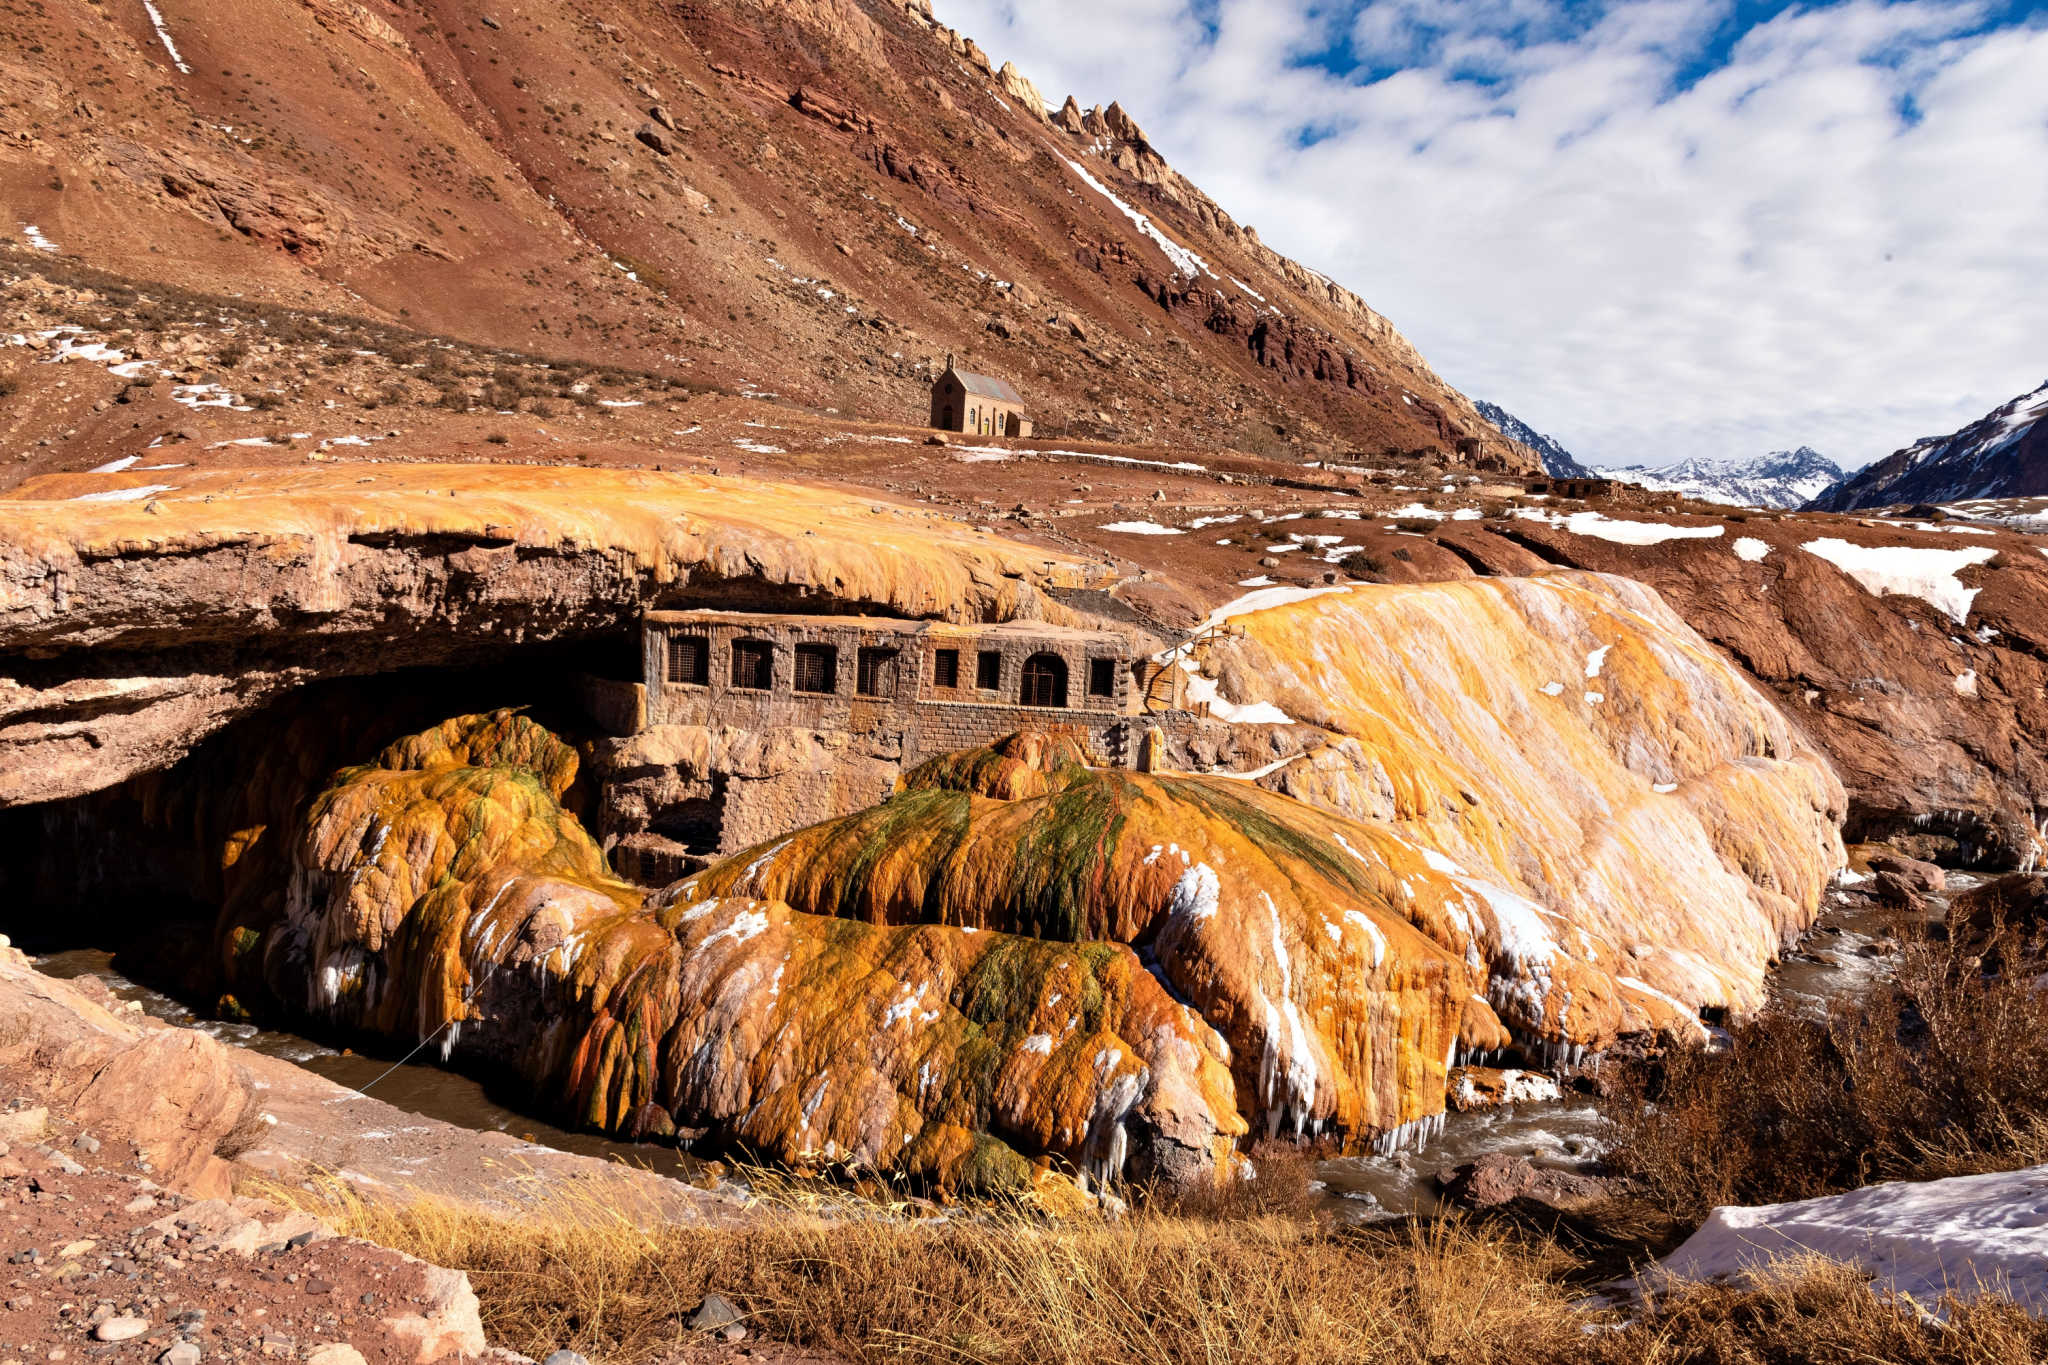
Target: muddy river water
point(1838, 959)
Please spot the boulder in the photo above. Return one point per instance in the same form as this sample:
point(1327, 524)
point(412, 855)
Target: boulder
point(1898, 892)
point(1485, 1087)
point(1919, 877)
point(177, 1094)
point(450, 1323)
point(1500, 1181)
point(656, 137)
point(2000, 917)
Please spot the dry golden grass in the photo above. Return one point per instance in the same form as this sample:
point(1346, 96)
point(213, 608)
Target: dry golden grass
point(1005, 1288)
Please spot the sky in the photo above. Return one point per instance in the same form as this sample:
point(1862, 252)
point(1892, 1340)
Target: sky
point(1652, 229)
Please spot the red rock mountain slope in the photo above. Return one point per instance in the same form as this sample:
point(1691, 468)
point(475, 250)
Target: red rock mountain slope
point(813, 198)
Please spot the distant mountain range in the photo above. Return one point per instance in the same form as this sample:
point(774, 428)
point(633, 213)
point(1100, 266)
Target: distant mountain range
point(1557, 461)
point(1781, 479)
point(2003, 454)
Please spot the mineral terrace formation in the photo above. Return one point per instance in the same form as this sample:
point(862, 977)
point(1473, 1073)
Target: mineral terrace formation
point(955, 982)
point(440, 892)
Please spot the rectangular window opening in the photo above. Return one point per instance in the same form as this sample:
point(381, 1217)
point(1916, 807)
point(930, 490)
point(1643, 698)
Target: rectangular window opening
point(689, 659)
point(817, 668)
point(946, 668)
point(988, 670)
point(753, 664)
point(877, 672)
point(1102, 677)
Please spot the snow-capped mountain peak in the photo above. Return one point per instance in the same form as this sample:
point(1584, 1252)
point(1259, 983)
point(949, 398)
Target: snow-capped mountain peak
point(2003, 454)
point(1781, 479)
point(1557, 461)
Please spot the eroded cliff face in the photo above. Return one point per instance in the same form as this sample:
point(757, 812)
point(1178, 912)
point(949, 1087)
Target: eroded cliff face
point(1019, 958)
point(136, 617)
point(1914, 655)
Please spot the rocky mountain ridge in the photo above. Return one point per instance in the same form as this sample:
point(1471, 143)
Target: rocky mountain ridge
point(2003, 454)
point(1557, 461)
point(1782, 479)
point(816, 199)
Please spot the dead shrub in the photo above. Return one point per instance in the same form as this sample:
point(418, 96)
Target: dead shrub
point(1281, 1183)
point(1935, 1073)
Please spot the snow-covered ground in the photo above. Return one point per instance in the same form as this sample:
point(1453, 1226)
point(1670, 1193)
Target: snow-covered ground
point(1910, 570)
point(1620, 532)
point(1921, 1239)
point(1141, 528)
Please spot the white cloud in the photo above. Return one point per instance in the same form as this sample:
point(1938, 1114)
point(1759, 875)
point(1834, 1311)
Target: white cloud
point(1775, 256)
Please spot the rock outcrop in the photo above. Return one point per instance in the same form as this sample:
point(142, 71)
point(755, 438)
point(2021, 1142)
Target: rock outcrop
point(1503, 861)
point(1019, 960)
point(1301, 937)
point(440, 893)
point(1566, 738)
point(1918, 668)
point(139, 619)
point(174, 1093)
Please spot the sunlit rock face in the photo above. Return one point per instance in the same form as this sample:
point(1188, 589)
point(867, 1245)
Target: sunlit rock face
point(441, 892)
point(1563, 817)
point(155, 622)
point(1548, 813)
point(1567, 738)
point(1294, 932)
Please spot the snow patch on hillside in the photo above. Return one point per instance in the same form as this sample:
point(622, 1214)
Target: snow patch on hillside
point(1185, 262)
point(156, 21)
point(1908, 570)
point(1620, 532)
point(135, 494)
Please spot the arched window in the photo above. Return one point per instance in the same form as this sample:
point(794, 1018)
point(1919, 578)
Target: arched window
point(1045, 681)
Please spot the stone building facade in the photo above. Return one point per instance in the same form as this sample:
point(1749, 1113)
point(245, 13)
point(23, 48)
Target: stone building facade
point(940, 687)
point(977, 404)
point(745, 725)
